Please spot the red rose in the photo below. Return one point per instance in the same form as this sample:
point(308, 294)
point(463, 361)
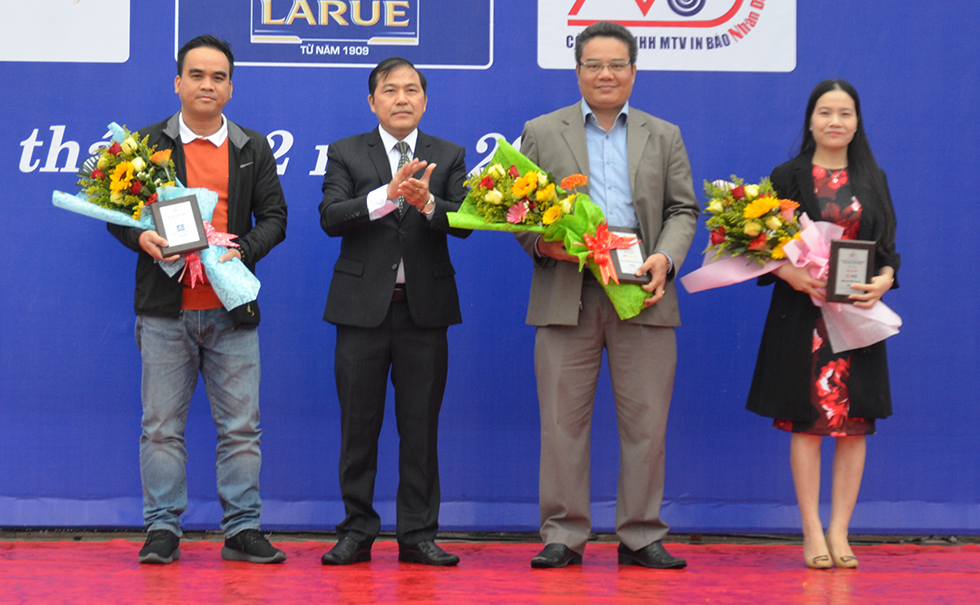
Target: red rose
point(514, 172)
point(152, 199)
point(116, 149)
point(532, 205)
point(758, 243)
point(738, 192)
point(98, 174)
point(487, 182)
point(717, 236)
point(136, 187)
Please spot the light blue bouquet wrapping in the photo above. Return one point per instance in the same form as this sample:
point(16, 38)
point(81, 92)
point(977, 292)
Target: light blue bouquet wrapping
point(233, 283)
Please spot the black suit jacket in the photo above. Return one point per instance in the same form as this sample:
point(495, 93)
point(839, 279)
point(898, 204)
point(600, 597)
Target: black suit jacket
point(364, 274)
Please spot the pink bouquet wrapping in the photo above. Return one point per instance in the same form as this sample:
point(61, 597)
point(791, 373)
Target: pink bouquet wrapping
point(848, 327)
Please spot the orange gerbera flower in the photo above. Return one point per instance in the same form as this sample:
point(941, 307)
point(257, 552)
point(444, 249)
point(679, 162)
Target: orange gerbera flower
point(573, 181)
point(760, 206)
point(161, 157)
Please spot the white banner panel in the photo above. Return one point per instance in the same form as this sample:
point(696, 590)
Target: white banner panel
point(678, 35)
point(73, 31)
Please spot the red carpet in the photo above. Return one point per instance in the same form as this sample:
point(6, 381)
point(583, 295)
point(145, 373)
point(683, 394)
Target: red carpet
point(107, 572)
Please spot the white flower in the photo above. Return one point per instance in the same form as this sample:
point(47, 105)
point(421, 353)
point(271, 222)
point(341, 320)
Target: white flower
point(129, 145)
point(494, 197)
point(138, 164)
point(752, 228)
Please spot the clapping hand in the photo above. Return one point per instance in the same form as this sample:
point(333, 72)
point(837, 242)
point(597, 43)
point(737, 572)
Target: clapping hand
point(415, 191)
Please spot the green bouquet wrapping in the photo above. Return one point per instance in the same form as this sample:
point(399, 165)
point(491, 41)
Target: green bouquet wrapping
point(513, 194)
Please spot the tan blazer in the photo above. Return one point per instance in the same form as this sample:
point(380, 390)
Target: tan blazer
point(663, 198)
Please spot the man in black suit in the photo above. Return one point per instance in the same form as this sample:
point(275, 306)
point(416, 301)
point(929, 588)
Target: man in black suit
point(392, 297)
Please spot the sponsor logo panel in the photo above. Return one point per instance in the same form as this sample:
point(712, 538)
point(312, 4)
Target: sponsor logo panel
point(678, 35)
point(347, 33)
point(70, 31)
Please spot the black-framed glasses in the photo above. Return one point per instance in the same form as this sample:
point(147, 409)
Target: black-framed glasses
point(616, 67)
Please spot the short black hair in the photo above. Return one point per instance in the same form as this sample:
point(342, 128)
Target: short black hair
point(605, 29)
point(207, 41)
point(386, 67)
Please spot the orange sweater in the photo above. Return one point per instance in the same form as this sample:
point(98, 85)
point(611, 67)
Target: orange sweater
point(207, 167)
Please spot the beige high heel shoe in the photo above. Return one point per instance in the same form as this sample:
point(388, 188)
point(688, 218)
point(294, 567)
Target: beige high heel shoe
point(819, 562)
point(845, 561)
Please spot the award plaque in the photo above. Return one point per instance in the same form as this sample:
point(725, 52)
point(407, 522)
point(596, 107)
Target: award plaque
point(628, 260)
point(179, 222)
point(852, 261)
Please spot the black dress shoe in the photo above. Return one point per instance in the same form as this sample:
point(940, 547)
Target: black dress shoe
point(347, 550)
point(426, 552)
point(556, 555)
point(653, 555)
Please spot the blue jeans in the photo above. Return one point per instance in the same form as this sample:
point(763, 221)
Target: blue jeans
point(173, 352)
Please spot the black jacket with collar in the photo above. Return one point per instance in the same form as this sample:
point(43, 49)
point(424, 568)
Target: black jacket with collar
point(253, 191)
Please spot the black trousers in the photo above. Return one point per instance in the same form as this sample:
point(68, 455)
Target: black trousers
point(418, 361)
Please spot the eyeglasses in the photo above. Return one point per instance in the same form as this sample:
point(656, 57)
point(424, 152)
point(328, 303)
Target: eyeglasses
point(616, 67)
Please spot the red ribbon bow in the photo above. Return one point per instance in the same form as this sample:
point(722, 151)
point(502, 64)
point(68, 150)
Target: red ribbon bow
point(600, 246)
point(193, 260)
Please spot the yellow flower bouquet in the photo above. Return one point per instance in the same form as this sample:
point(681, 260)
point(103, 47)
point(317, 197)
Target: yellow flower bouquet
point(125, 175)
point(749, 220)
point(513, 194)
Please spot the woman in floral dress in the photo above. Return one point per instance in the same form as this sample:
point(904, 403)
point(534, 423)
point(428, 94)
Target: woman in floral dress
point(799, 381)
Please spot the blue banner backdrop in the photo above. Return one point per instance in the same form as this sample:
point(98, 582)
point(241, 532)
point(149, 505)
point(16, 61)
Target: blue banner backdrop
point(69, 368)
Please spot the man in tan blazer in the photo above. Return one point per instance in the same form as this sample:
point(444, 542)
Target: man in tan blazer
point(641, 178)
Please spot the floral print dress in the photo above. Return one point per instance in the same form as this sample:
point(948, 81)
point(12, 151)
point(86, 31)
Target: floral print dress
point(831, 372)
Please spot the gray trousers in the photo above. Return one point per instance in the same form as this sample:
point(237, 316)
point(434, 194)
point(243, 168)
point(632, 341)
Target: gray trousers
point(567, 359)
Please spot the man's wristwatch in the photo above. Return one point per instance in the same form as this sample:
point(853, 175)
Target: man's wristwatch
point(430, 205)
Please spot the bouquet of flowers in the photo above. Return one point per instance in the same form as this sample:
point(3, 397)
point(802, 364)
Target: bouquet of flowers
point(125, 176)
point(749, 220)
point(504, 195)
point(512, 194)
point(109, 193)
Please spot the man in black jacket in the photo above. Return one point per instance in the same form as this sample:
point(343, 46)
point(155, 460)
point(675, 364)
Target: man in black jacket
point(392, 297)
point(181, 330)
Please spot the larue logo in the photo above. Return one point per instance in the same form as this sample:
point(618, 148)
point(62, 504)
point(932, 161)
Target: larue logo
point(654, 13)
point(304, 22)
